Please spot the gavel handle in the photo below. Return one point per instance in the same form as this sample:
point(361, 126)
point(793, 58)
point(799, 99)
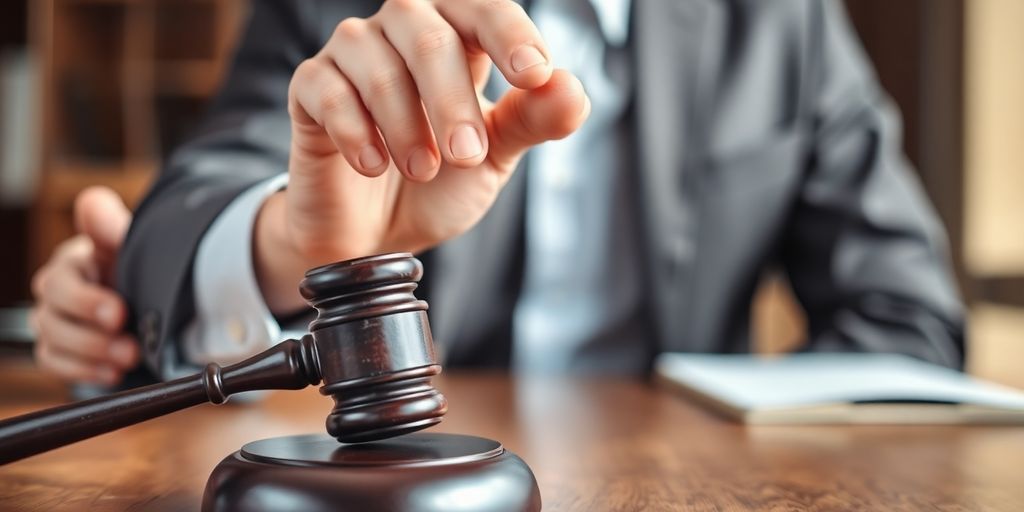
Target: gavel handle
point(291, 364)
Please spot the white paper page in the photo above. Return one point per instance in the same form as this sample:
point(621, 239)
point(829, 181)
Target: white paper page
point(751, 382)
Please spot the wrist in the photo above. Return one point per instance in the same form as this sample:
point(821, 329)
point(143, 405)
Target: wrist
point(279, 266)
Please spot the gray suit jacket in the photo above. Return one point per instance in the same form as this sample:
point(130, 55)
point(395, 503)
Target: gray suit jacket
point(763, 140)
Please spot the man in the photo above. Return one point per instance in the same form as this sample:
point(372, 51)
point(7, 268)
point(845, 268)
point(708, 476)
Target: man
point(723, 138)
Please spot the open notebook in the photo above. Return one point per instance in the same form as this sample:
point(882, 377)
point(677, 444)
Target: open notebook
point(838, 388)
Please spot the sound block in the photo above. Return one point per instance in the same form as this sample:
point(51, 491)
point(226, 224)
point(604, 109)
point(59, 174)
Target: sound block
point(422, 472)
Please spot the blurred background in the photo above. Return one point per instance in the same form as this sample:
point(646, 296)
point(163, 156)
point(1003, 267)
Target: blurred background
point(97, 91)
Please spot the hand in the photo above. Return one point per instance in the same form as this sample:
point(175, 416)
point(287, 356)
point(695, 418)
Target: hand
point(393, 146)
point(78, 318)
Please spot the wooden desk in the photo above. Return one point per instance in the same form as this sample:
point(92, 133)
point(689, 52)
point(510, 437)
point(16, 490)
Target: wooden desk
point(595, 444)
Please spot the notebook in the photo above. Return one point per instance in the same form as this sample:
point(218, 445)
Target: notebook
point(839, 389)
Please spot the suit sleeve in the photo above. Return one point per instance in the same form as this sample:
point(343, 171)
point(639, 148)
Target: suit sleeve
point(243, 139)
point(865, 253)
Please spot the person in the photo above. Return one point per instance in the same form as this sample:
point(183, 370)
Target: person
point(709, 141)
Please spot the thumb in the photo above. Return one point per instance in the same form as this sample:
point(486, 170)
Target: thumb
point(523, 118)
point(102, 216)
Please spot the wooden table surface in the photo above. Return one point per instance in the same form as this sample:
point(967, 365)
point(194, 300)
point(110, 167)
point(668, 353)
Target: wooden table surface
point(594, 444)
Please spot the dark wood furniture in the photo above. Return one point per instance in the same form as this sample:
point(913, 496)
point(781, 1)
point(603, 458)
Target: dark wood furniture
point(418, 472)
point(121, 82)
point(593, 443)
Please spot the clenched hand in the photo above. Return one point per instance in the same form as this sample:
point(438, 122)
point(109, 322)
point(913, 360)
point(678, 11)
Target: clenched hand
point(78, 317)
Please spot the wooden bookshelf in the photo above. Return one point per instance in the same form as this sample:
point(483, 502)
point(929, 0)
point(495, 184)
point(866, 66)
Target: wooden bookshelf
point(111, 72)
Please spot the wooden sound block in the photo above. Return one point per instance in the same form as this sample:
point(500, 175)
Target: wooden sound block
point(416, 472)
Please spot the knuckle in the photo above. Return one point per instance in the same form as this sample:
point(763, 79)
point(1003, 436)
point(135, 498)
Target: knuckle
point(499, 8)
point(307, 71)
point(294, 107)
point(90, 198)
point(435, 41)
point(351, 28)
point(69, 288)
point(39, 281)
point(386, 81)
point(75, 246)
point(404, 5)
point(51, 288)
point(334, 99)
point(457, 104)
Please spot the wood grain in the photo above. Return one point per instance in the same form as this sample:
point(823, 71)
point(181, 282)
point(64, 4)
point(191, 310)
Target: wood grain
point(594, 444)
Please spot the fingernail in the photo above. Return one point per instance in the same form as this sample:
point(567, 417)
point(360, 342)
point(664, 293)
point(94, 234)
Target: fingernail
point(527, 57)
point(466, 143)
point(122, 352)
point(106, 313)
point(422, 162)
point(370, 158)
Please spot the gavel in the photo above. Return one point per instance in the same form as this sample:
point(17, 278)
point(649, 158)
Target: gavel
point(370, 345)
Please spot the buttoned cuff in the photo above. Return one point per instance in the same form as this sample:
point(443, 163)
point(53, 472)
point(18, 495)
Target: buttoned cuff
point(232, 320)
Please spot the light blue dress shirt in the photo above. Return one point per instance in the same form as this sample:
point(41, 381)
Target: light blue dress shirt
point(581, 299)
point(580, 305)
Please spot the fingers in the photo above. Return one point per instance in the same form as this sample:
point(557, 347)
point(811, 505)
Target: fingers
point(79, 322)
point(71, 368)
point(103, 217)
point(75, 352)
point(406, 74)
point(67, 338)
point(434, 55)
point(503, 30)
point(65, 288)
point(330, 105)
point(524, 118)
point(388, 91)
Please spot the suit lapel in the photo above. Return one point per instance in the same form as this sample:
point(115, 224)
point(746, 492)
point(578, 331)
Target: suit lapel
point(675, 71)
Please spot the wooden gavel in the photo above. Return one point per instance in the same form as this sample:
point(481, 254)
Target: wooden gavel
point(370, 345)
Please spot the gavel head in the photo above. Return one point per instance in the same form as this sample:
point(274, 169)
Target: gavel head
point(374, 347)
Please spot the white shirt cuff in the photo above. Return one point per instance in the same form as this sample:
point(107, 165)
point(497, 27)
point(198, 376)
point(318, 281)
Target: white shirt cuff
point(232, 320)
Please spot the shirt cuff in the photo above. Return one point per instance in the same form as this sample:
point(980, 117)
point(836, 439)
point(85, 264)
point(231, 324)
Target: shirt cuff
point(232, 320)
